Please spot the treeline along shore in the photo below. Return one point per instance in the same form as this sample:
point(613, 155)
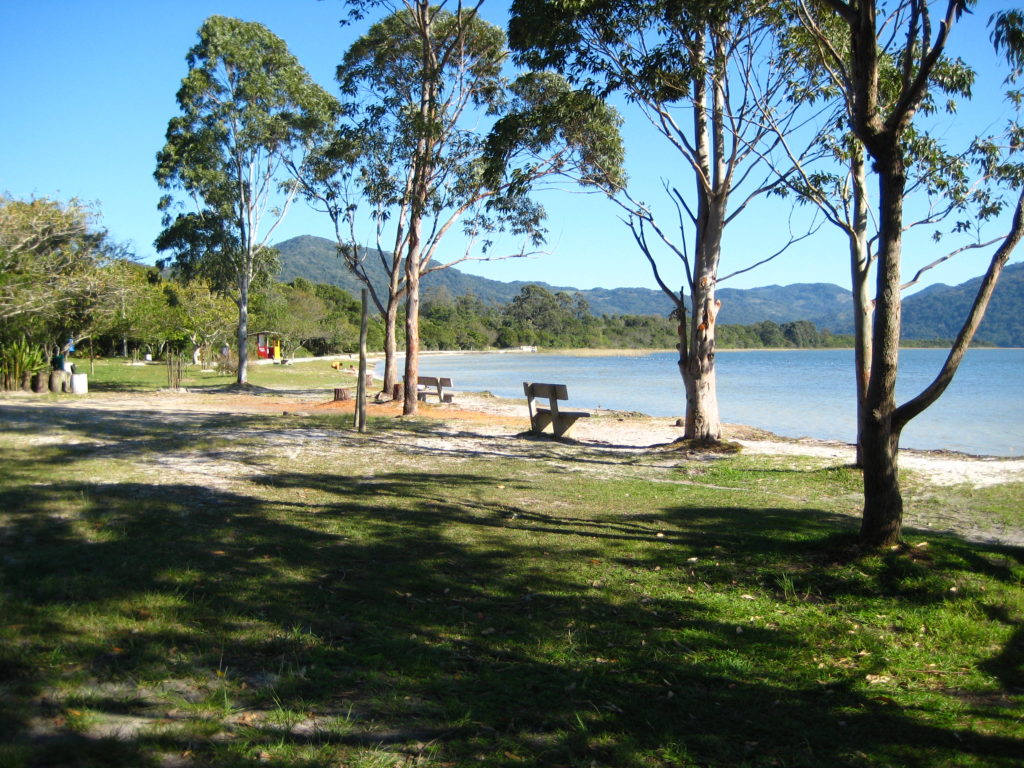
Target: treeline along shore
point(538, 317)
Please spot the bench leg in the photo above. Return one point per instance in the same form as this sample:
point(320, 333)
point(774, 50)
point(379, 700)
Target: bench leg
point(564, 425)
point(540, 421)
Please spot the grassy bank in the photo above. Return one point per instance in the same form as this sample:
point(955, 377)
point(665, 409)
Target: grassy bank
point(207, 588)
point(114, 375)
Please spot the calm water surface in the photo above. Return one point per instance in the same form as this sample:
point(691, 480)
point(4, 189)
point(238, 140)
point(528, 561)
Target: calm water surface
point(793, 393)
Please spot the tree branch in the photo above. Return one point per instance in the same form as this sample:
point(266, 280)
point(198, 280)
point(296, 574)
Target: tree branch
point(933, 391)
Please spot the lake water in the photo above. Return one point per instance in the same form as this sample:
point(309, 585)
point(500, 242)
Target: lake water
point(794, 393)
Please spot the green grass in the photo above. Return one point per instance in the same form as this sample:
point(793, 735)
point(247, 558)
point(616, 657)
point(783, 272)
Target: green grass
point(315, 597)
point(115, 375)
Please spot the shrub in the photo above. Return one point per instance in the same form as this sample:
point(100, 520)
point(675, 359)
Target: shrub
point(18, 361)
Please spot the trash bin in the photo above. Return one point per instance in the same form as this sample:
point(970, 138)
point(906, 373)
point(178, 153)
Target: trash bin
point(79, 383)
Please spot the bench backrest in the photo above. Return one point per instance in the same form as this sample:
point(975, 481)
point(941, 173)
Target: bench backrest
point(433, 381)
point(550, 391)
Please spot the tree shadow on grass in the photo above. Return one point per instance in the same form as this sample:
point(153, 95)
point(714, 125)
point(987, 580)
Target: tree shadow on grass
point(427, 611)
point(149, 429)
point(394, 610)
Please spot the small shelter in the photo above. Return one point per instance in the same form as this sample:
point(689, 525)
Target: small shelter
point(268, 346)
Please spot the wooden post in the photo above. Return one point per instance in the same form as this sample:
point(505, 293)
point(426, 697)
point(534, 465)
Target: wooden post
point(360, 410)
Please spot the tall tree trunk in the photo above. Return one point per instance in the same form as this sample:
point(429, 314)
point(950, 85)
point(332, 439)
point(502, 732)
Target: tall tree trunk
point(243, 331)
point(412, 328)
point(391, 344)
point(698, 365)
point(882, 522)
point(863, 309)
point(697, 360)
point(883, 503)
point(422, 169)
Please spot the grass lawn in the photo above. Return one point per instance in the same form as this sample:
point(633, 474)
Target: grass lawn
point(218, 589)
point(115, 376)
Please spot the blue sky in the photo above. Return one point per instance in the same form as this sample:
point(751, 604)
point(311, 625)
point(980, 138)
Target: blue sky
point(89, 87)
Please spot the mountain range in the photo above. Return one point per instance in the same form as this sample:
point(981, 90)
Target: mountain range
point(933, 313)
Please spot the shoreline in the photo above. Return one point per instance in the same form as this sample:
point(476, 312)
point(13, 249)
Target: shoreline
point(747, 428)
point(624, 383)
point(493, 415)
point(633, 352)
point(487, 424)
point(666, 428)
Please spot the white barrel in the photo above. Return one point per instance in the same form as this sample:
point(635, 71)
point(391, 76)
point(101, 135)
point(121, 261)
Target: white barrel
point(79, 383)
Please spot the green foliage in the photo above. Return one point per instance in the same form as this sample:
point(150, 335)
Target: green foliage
point(246, 104)
point(800, 334)
point(53, 277)
point(463, 323)
point(321, 318)
point(418, 72)
point(545, 115)
point(416, 81)
point(18, 360)
point(204, 318)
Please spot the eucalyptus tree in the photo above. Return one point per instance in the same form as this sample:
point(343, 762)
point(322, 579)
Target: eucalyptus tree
point(703, 75)
point(946, 196)
point(910, 38)
point(246, 106)
point(417, 84)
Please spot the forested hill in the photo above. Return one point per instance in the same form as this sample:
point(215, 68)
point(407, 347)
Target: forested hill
point(938, 311)
point(935, 312)
point(315, 258)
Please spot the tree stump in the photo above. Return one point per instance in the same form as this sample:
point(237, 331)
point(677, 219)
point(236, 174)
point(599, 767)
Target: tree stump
point(59, 381)
point(340, 393)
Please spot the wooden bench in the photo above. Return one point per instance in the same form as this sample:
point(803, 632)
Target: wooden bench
point(439, 384)
point(541, 416)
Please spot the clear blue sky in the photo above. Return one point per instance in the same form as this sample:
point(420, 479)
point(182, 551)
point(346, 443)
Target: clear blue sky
point(89, 87)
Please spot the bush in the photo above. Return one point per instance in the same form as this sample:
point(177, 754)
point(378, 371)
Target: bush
point(18, 361)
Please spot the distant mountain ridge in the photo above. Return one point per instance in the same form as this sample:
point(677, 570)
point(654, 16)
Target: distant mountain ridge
point(935, 312)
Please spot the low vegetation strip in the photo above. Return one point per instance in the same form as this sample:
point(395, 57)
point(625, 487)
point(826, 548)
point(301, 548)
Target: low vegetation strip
point(218, 585)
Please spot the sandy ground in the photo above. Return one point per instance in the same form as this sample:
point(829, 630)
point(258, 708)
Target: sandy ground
point(492, 416)
point(940, 467)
